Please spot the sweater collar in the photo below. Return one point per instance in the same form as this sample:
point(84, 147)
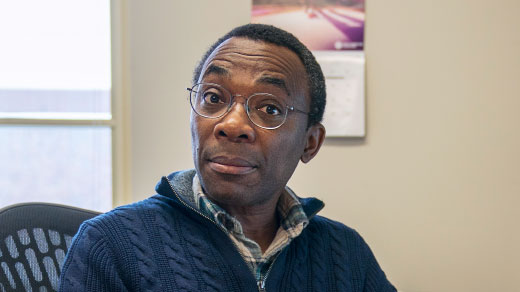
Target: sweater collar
point(181, 183)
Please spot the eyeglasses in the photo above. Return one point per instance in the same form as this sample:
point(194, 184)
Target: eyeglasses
point(265, 110)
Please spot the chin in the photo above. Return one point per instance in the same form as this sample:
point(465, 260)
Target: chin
point(226, 195)
point(223, 187)
point(229, 190)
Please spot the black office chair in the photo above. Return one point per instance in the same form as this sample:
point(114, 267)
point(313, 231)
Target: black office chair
point(34, 238)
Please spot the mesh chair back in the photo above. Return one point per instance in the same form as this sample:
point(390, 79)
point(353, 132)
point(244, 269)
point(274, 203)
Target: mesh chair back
point(34, 238)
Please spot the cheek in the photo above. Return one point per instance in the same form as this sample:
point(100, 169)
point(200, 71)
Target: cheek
point(196, 135)
point(201, 132)
point(287, 150)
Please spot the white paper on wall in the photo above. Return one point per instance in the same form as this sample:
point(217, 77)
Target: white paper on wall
point(345, 80)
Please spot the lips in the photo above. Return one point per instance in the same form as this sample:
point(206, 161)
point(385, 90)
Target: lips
point(231, 165)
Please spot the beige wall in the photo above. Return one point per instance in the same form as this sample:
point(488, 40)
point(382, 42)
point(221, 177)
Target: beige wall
point(434, 187)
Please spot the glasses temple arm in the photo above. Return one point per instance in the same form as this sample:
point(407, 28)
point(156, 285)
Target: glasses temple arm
point(292, 108)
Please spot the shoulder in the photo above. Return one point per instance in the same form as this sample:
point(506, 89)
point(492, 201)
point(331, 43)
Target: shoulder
point(346, 250)
point(338, 238)
point(131, 211)
point(120, 233)
point(323, 224)
point(123, 221)
point(108, 248)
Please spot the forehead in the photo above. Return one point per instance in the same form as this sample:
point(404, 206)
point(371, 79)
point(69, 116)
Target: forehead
point(254, 61)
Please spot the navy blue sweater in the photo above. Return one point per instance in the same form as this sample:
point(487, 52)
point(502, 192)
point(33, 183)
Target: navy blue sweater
point(162, 244)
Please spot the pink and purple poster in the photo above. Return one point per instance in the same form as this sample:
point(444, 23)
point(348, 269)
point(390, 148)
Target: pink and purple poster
point(322, 25)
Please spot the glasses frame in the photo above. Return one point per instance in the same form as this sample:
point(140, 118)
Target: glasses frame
point(246, 104)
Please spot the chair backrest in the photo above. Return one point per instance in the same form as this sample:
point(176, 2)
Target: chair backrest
point(34, 238)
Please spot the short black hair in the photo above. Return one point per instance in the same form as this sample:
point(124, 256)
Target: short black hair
point(277, 36)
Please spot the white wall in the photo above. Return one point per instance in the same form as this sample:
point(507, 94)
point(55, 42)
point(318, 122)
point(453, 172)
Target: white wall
point(434, 187)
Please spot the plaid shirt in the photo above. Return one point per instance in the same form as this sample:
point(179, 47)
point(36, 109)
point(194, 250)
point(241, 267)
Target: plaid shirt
point(293, 221)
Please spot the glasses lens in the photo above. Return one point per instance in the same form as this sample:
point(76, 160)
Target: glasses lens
point(209, 100)
point(266, 110)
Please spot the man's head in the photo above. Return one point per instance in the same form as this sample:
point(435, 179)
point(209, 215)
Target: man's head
point(240, 159)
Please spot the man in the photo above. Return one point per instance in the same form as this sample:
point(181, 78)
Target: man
point(232, 224)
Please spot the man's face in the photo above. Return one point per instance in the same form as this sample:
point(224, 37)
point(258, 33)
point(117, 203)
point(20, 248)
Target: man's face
point(238, 162)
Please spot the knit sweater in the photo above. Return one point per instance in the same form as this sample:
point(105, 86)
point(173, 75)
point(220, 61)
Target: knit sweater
point(163, 244)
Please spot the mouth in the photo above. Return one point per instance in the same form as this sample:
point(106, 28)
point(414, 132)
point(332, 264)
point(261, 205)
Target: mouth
point(227, 165)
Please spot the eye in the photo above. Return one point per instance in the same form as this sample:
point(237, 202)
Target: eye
point(270, 109)
point(212, 98)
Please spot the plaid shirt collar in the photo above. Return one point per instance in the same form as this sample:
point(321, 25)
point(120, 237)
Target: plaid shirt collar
point(293, 221)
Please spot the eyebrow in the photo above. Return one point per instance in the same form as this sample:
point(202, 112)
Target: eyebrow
point(220, 71)
point(280, 83)
point(214, 69)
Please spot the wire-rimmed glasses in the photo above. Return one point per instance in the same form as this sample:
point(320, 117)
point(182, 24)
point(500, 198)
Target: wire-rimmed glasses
point(211, 100)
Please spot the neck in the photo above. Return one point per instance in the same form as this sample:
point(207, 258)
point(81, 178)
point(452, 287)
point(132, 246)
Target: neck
point(259, 222)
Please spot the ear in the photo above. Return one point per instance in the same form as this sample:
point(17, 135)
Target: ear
point(314, 139)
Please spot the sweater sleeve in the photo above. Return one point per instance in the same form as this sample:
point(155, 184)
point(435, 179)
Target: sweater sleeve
point(89, 265)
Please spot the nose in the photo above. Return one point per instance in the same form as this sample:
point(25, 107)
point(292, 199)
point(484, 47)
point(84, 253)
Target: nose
point(235, 126)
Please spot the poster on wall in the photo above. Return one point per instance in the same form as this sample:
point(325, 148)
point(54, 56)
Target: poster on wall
point(334, 31)
point(319, 24)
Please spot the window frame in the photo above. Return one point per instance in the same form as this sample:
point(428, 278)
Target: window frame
point(119, 111)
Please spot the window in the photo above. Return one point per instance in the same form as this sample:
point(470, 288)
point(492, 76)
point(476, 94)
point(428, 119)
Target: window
point(56, 103)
